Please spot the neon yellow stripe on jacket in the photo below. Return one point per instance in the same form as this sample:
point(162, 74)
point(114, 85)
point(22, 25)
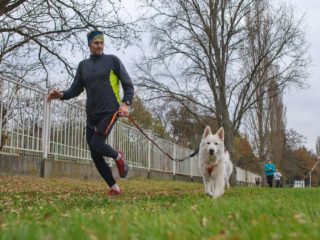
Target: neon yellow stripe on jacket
point(115, 84)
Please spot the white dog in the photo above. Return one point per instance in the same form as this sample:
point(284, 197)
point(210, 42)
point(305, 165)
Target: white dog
point(214, 162)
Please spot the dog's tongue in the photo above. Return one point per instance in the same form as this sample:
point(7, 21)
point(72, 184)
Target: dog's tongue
point(210, 169)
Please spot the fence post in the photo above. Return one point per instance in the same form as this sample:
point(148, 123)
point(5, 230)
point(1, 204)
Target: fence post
point(149, 159)
point(174, 162)
point(310, 180)
point(45, 134)
point(45, 128)
point(191, 169)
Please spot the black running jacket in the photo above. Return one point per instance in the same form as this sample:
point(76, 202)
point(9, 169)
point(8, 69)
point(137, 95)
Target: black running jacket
point(101, 76)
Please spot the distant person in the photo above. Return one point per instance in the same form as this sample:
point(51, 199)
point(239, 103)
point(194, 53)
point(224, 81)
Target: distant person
point(101, 76)
point(269, 170)
point(277, 177)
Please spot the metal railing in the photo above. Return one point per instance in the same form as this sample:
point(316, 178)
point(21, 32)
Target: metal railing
point(31, 126)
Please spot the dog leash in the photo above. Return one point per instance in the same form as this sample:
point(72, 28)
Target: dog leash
point(114, 117)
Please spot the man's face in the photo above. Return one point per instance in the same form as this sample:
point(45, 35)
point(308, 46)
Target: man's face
point(96, 47)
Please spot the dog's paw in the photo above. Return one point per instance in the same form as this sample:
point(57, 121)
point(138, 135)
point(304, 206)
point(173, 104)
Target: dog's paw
point(217, 194)
point(210, 193)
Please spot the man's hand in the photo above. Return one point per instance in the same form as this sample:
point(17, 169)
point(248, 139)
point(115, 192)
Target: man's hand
point(124, 110)
point(54, 94)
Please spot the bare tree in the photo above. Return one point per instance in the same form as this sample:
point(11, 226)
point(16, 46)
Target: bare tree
point(266, 125)
point(8, 5)
point(294, 140)
point(277, 128)
point(258, 117)
point(202, 48)
point(37, 35)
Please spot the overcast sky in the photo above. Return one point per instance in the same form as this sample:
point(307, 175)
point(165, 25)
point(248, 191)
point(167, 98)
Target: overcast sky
point(303, 111)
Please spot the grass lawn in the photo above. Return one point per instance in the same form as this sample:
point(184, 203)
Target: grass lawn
point(35, 208)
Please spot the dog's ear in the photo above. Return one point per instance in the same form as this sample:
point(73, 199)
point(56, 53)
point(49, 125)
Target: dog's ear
point(207, 131)
point(220, 133)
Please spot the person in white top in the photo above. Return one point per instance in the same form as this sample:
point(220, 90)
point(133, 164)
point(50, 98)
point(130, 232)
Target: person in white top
point(277, 176)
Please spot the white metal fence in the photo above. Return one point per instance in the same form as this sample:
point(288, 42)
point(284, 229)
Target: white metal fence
point(31, 126)
point(246, 177)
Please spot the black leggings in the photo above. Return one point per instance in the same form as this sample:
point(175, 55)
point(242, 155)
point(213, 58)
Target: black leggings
point(96, 140)
point(270, 180)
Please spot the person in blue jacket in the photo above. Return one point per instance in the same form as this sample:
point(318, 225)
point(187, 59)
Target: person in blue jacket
point(269, 170)
point(101, 76)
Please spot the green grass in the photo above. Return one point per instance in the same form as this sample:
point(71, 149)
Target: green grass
point(34, 208)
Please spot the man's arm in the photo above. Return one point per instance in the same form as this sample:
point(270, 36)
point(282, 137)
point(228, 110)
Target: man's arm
point(75, 89)
point(125, 80)
point(127, 86)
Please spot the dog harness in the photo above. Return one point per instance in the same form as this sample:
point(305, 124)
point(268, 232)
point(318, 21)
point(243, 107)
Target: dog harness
point(210, 169)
